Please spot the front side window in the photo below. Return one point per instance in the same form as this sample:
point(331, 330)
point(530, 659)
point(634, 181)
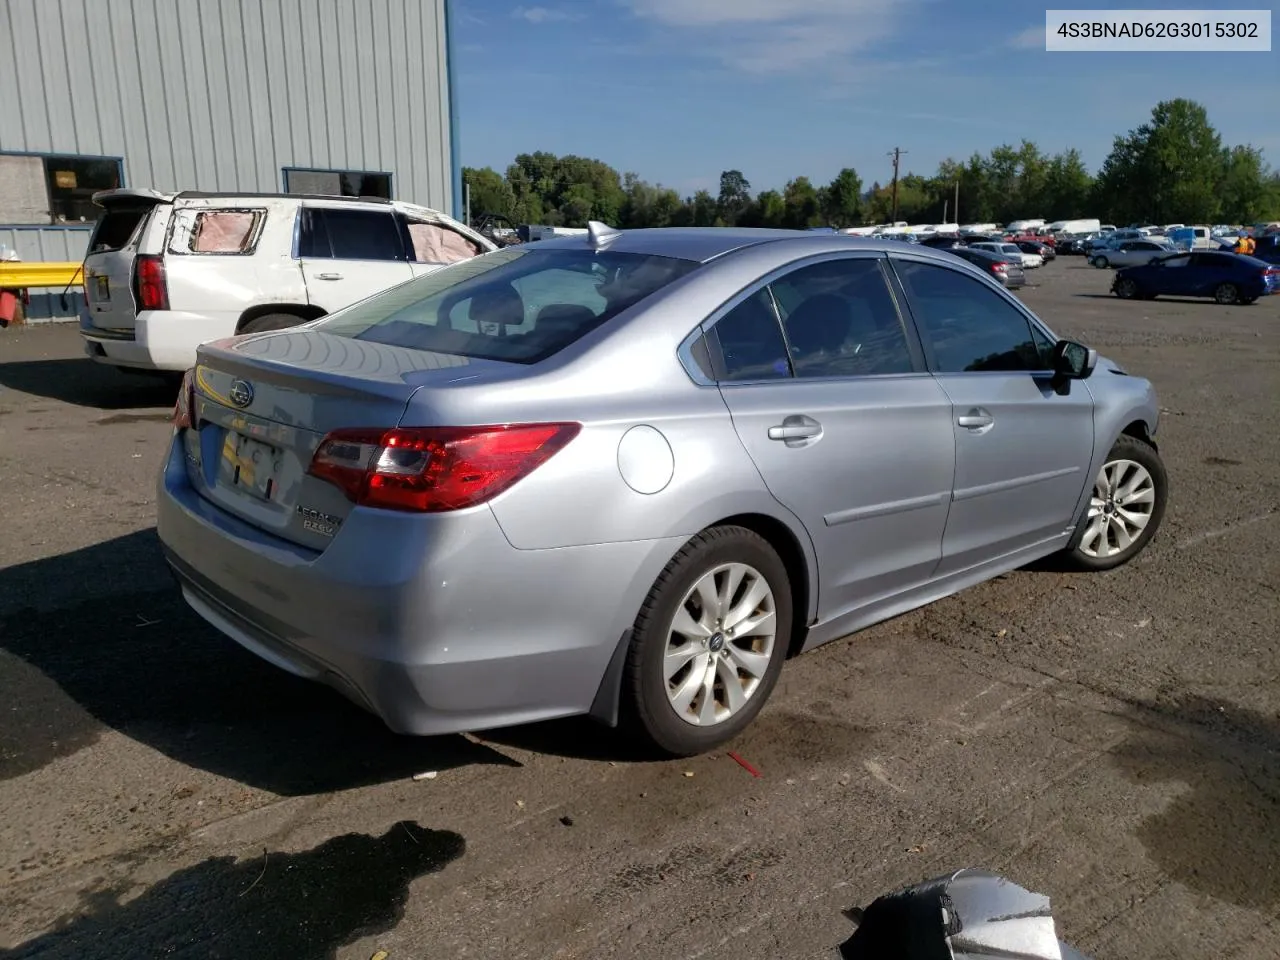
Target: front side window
point(436, 243)
point(1175, 261)
point(970, 327)
point(330, 233)
point(518, 304)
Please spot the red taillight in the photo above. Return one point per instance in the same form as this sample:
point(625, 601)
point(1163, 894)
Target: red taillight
point(434, 469)
point(999, 267)
point(149, 283)
point(184, 407)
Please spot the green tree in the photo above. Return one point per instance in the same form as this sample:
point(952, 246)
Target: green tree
point(490, 192)
point(842, 199)
point(702, 209)
point(1244, 191)
point(1167, 170)
point(1068, 187)
point(735, 196)
point(801, 206)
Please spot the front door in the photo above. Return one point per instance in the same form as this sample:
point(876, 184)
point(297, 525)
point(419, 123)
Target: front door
point(1023, 452)
point(845, 427)
point(349, 253)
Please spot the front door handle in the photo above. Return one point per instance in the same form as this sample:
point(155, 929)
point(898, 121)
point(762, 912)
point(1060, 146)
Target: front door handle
point(328, 276)
point(795, 429)
point(975, 419)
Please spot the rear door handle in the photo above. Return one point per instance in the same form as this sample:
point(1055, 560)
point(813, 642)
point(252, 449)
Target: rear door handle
point(796, 428)
point(975, 419)
point(328, 276)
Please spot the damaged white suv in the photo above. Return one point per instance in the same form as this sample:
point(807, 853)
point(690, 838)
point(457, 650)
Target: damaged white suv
point(167, 272)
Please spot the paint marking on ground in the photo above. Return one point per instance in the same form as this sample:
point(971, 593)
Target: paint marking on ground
point(1200, 538)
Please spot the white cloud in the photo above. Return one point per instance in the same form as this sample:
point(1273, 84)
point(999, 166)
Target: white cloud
point(1031, 38)
point(775, 36)
point(541, 14)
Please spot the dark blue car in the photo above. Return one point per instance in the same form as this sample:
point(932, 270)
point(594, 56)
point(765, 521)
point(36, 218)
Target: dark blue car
point(1226, 277)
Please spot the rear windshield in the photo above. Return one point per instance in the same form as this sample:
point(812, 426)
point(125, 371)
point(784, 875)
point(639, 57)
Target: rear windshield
point(115, 228)
point(519, 304)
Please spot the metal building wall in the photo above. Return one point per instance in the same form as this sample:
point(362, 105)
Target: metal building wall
point(225, 94)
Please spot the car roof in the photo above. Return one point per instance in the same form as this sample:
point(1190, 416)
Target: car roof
point(702, 244)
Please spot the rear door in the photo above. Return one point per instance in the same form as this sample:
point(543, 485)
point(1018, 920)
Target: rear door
point(349, 253)
point(131, 221)
point(846, 428)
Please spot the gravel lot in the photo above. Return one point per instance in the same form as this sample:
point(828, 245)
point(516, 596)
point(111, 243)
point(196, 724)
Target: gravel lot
point(1110, 740)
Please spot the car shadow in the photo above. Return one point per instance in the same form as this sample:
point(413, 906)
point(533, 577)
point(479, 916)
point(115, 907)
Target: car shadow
point(1220, 835)
point(294, 906)
point(83, 383)
point(100, 639)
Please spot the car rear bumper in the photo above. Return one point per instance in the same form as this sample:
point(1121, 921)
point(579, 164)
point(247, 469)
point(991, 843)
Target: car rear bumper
point(434, 623)
point(158, 339)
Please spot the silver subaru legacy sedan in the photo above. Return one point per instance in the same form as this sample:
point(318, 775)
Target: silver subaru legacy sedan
point(628, 473)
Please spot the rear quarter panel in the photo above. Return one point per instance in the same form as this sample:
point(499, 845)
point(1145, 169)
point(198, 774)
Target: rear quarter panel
point(225, 285)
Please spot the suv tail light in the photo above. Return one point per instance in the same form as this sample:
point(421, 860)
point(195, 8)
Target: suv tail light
point(435, 469)
point(184, 407)
point(150, 286)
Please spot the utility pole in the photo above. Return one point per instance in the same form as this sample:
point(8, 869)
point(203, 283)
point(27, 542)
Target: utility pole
point(897, 155)
point(957, 207)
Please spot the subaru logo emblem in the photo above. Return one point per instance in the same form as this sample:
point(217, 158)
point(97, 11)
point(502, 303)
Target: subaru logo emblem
point(241, 393)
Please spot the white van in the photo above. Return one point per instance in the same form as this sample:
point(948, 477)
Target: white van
point(167, 272)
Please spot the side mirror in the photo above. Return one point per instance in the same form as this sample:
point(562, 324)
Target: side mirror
point(1073, 361)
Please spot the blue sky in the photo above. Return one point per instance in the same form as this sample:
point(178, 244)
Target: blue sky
point(679, 90)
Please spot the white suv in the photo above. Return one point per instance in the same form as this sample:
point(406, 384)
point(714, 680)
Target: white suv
point(167, 272)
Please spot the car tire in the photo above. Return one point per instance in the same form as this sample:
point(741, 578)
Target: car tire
point(1227, 294)
point(658, 707)
point(1107, 536)
point(1102, 263)
point(271, 321)
point(1126, 289)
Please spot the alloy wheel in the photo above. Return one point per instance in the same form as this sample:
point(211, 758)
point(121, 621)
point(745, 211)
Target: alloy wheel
point(720, 644)
point(1124, 497)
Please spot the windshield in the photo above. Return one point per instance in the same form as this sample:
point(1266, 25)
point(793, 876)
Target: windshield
point(517, 304)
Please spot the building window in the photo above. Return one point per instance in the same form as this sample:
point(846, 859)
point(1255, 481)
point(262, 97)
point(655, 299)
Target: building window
point(53, 188)
point(337, 183)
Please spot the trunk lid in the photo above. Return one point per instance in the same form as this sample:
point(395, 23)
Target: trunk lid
point(263, 404)
point(126, 226)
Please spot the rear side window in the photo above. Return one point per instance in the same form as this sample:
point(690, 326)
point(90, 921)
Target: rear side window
point(116, 227)
point(747, 343)
point(333, 234)
point(225, 232)
point(518, 304)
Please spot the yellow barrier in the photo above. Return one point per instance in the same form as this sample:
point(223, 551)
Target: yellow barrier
point(38, 274)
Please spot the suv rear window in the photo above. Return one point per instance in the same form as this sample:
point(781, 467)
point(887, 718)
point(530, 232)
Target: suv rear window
point(115, 227)
point(517, 304)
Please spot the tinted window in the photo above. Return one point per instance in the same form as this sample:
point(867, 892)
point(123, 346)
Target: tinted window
point(1175, 261)
point(1215, 261)
point(518, 304)
point(354, 235)
point(338, 183)
point(747, 342)
point(115, 228)
point(970, 327)
point(841, 321)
